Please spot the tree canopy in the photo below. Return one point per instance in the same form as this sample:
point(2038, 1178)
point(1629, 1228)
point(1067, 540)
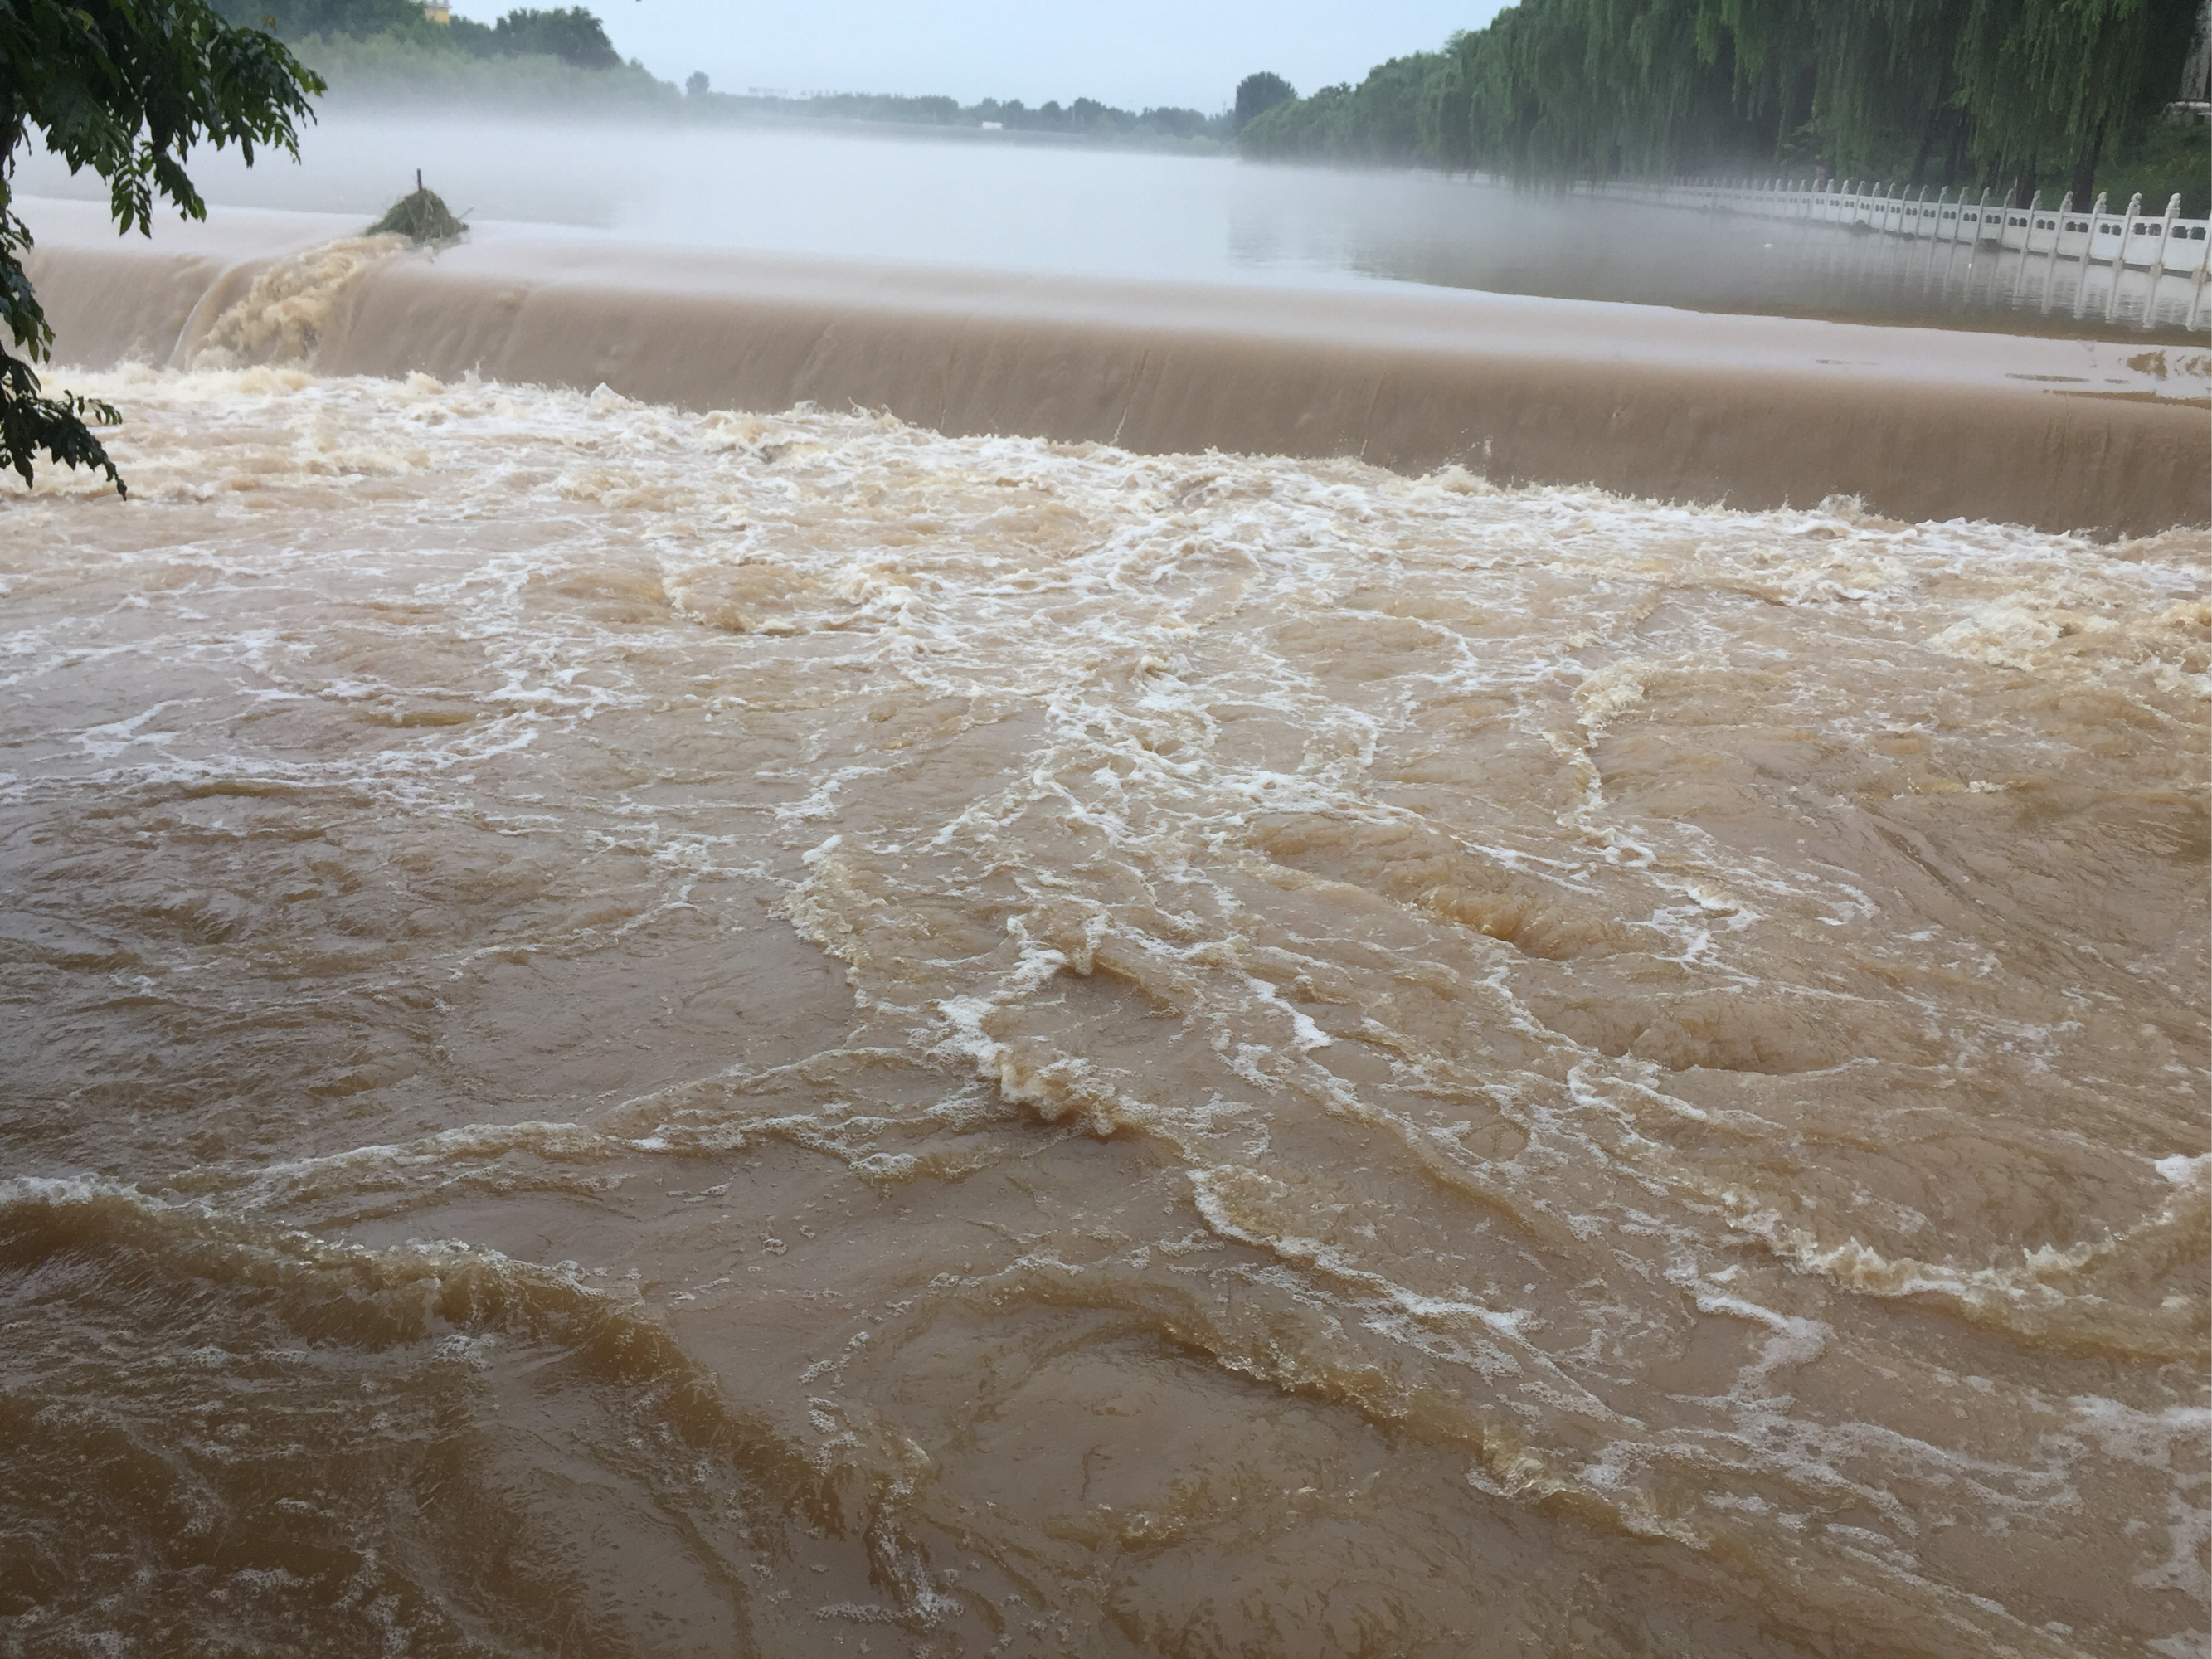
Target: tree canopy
point(1258, 94)
point(294, 20)
point(571, 34)
point(1082, 118)
point(2004, 90)
point(129, 88)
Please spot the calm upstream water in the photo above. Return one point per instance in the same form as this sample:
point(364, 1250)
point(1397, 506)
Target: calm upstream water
point(631, 1033)
point(1067, 210)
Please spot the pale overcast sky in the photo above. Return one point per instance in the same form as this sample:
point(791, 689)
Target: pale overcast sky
point(1130, 53)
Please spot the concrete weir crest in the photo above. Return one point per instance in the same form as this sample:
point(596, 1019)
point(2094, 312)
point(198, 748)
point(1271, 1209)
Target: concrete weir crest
point(1756, 412)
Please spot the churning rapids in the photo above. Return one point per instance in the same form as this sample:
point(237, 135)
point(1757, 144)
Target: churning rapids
point(637, 1033)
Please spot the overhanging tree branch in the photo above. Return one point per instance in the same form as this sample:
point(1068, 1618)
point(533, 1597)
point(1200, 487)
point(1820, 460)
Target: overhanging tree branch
point(127, 88)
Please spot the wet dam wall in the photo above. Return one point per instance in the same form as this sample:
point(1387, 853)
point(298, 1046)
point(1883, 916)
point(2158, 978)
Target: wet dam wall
point(1757, 412)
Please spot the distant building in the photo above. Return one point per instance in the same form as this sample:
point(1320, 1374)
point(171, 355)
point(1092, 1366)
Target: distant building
point(437, 11)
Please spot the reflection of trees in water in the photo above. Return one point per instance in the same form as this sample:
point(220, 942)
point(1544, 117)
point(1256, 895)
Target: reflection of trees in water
point(1610, 251)
point(1963, 280)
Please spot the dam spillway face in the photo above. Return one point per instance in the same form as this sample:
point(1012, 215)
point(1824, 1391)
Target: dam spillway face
point(2104, 437)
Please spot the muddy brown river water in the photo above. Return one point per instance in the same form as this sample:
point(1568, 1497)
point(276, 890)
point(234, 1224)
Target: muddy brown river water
point(641, 1033)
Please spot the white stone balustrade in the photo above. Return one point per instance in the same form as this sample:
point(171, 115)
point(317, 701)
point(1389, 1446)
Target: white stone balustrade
point(2061, 247)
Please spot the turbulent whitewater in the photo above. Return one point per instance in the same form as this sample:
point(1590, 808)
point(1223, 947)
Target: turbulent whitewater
point(639, 1033)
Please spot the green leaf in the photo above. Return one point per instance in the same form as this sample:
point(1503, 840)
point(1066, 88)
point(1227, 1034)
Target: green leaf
point(126, 88)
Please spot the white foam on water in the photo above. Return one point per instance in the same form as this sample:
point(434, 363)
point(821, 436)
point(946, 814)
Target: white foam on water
point(1629, 992)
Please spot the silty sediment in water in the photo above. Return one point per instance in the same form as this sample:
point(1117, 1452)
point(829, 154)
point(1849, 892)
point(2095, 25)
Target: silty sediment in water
point(655, 1033)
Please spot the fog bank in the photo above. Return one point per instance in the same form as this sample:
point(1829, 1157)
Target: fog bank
point(994, 202)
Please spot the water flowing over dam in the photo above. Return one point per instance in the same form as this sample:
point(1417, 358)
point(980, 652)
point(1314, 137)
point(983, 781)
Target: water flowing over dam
point(1760, 411)
point(1130, 1000)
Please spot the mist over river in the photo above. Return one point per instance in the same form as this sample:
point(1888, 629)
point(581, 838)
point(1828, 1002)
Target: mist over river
point(632, 1032)
point(997, 202)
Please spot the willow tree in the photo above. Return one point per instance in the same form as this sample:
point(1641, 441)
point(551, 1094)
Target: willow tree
point(2056, 81)
point(1386, 110)
point(1378, 120)
point(1443, 108)
point(1591, 88)
point(1572, 89)
point(126, 88)
point(2007, 89)
point(1868, 85)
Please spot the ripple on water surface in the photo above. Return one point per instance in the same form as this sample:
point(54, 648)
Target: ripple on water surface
point(637, 1033)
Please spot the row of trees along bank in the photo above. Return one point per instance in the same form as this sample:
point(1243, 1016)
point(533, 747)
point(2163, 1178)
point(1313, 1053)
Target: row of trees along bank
point(2006, 93)
point(387, 50)
point(1085, 118)
point(570, 34)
